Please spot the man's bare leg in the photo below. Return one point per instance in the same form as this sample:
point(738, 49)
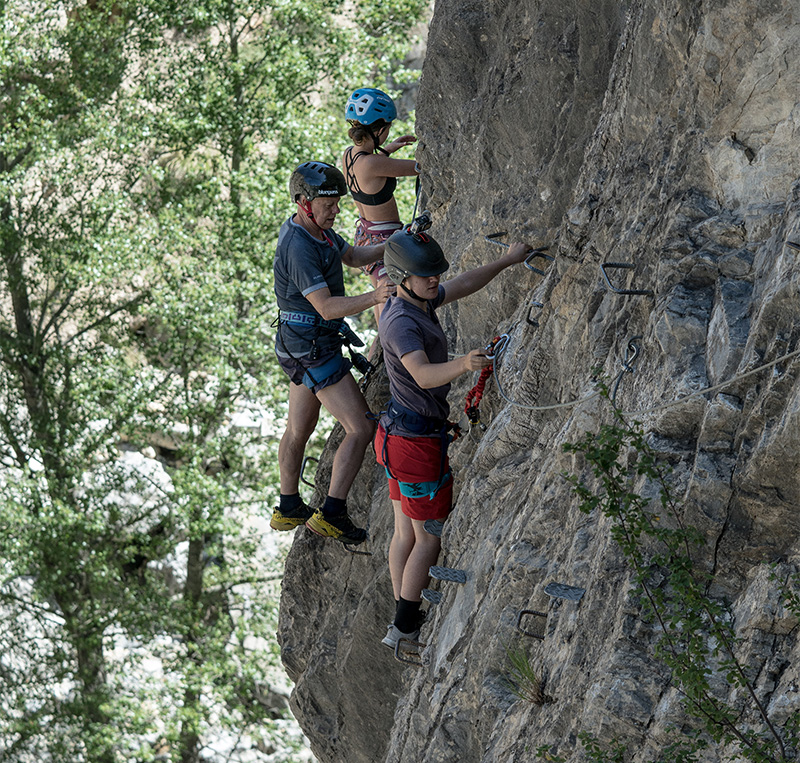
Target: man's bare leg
point(300, 423)
point(346, 404)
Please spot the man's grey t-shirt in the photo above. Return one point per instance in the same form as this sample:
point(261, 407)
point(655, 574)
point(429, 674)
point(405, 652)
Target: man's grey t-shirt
point(304, 264)
point(404, 328)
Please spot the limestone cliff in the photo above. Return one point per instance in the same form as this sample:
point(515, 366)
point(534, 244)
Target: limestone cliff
point(661, 134)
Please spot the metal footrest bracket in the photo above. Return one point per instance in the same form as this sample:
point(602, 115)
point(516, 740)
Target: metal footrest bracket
point(538, 623)
point(354, 550)
point(434, 527)
point(624, 266)
point(533, 321)
point(400, 656)
point(434, 597)
point(303, 471)
point(448, 574)
point(564, 591)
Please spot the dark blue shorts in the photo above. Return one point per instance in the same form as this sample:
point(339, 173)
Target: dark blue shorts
point(325, 372)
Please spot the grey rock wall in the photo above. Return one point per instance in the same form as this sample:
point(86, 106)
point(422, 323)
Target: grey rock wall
point(661, 134)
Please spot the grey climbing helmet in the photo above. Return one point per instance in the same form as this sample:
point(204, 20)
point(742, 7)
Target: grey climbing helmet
point(413, 254)
point(313, 179)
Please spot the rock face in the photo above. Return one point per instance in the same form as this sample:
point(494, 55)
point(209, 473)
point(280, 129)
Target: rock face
point(665, 136)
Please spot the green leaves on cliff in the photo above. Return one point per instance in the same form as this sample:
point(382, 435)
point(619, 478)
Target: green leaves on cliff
point(696, 639)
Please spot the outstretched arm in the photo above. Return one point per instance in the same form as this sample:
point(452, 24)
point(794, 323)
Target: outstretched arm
point(468, 283)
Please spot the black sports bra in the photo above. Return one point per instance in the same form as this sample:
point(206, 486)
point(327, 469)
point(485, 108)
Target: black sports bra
point(369, 199)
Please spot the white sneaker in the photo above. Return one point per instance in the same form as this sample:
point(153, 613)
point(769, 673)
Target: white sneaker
point(394, 634)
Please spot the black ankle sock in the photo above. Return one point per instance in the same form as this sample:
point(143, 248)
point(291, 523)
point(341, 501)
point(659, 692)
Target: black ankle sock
point(334, 506)
point(407, 617)
point(291, 501)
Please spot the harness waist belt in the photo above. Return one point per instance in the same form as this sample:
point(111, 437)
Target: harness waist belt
point(308, 319)
point(299, 318)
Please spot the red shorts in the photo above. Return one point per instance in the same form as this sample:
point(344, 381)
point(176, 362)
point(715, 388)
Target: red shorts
point(415, 465)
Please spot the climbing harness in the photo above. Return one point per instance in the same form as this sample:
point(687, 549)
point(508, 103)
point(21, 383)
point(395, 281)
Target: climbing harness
point(289, 318)
point(420, 426)
point(474, 396)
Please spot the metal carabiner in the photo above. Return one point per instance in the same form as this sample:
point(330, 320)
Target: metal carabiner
point(496, 346)
point(631, 353)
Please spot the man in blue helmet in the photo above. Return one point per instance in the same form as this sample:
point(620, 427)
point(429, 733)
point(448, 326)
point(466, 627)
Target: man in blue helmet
point(309, 285)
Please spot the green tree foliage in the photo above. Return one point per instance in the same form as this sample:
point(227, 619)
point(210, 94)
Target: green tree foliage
point(144, 154)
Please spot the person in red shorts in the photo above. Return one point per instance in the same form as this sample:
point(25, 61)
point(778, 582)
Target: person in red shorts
point(413, 433)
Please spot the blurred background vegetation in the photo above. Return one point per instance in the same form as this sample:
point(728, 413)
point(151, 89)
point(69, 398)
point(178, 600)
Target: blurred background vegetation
point(145, 152)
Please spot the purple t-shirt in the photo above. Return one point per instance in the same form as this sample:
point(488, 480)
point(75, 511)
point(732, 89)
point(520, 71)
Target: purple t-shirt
point(404, 328)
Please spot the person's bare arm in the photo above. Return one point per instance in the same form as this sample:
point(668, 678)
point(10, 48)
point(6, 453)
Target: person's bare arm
point(378, 165)
point(473, 280)
point(358, 256)
point(428, 375)
point(331, 308)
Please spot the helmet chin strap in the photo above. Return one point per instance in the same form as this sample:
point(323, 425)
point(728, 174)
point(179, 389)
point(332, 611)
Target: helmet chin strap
point(410, 292)
point(375, 142)
point(310, 215)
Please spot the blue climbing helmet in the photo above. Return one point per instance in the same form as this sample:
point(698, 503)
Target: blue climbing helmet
point(367, 105)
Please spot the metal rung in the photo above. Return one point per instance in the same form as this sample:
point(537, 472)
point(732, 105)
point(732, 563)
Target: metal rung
point(564, 591)
point(491, 238)
point(353, 550)
point(624, 266)
point(434, 597)
point(539, 252)
point(539, 622)
point(398, 652)
point(793, 245)
point(533, 321)
point(448, 574)
point(303, 471)
point(434, 527)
